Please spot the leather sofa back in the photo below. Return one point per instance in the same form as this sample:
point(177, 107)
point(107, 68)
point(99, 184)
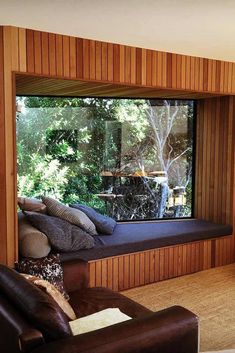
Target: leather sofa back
point(12, 324)
point(36, 306)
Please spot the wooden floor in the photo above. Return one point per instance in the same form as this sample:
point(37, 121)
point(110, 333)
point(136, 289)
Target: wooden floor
point(209, 294)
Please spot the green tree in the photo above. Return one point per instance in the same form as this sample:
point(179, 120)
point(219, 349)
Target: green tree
point(66, 144)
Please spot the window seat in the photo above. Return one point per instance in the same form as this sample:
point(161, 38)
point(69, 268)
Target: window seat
point(140, 236)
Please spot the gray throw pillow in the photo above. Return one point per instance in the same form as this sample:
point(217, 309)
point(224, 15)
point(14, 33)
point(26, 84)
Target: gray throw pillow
point(63, 236)
point(104, 224)
point(77, 217)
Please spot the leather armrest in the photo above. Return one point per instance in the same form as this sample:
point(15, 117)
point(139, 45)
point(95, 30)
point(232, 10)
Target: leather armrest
point(173, 330)
point(30, 339)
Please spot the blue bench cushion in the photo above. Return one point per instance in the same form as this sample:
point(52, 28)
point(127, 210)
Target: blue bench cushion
point(140, 236)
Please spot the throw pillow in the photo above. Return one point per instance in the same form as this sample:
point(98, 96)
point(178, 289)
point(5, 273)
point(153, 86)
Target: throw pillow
point(41, 310)
point(63, 236)
point(31, 204)
point(32, 242)
point(48, 268)
point(54, 293)
point(101, 319)
point(104, 224)
point(77, 217)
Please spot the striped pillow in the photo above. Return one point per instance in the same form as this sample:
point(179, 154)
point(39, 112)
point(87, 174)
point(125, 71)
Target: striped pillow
point(71, 215)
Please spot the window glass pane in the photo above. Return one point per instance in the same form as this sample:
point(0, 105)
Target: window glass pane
point(129, 158)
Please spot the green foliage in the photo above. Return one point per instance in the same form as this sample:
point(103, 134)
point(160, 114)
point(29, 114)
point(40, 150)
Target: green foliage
point(44, 177)
point(64, 145)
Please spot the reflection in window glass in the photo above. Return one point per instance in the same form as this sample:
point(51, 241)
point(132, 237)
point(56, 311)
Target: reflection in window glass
point(128, 158)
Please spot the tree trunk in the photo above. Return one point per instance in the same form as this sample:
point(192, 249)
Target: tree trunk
point(163, 199)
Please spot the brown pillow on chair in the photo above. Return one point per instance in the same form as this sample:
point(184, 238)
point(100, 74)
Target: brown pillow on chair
point(41, 310)
point(54, 293)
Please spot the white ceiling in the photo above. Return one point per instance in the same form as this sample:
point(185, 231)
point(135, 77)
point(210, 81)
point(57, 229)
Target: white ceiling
point(195, 27)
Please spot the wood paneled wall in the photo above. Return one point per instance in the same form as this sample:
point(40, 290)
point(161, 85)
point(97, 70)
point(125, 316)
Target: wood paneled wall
point(215, 160)
point(58, 56)
point(3, 257)
point(11, 53)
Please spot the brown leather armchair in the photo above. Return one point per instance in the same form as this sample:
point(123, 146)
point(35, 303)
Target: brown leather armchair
point(24, 326)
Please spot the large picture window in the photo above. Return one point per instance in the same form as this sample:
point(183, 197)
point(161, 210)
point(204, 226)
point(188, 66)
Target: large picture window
point(131, 159)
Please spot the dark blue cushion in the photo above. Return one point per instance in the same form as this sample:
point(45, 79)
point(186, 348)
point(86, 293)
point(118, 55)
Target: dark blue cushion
point(104, 224)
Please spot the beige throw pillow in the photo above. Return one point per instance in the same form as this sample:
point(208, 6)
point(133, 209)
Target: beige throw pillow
point(32, 242)
point(71, 215)
point(97, 321)
point(54, 293)
point(31, 204)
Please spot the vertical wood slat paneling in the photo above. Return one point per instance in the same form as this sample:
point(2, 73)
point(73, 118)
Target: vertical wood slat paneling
point(110, 62)
point(79, 57)
point(59, 55)
point(11, 58)
point(125, 64)
point(149, 67)
point(214, 76)
point(116, 63)
point(216, 153)
point(22, 50)
point(159, 69)
point(86, 59)
point(72, 57)
point(132, 270)
point(109, 273)
point(92, 60)
point(45, 53)
point(230, 204)
point(52, 54)
point(98, 61)
point(65, 56)
point(138, 66)
point(104, 62)
point(115, 278)
point(215, 170)
point(215, 130)
point(3, 225)
point(174, 70)
point(122, 64)
point(92, 274)
point(37, 52)
point(30, 50)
